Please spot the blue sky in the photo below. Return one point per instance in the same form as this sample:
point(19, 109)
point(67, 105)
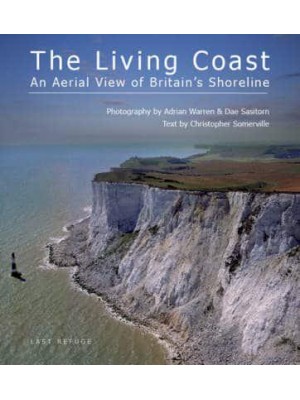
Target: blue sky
point(81, 119)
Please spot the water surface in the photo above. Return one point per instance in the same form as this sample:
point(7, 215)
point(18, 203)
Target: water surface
point(44, 188)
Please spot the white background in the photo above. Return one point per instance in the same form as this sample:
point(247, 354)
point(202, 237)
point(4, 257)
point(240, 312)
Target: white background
point(149, 382)
point(152, 16)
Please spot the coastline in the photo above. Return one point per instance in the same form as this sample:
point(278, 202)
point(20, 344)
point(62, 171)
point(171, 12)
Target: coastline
point(173, 354)
point(196, 311)
point(46, 264)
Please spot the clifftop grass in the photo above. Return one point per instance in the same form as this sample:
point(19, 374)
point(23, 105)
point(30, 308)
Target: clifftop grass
point(262, 169)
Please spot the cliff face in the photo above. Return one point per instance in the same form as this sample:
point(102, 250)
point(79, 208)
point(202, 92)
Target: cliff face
point(216, 272)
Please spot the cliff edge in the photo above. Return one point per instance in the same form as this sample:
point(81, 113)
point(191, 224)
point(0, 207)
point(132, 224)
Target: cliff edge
point(216, 273)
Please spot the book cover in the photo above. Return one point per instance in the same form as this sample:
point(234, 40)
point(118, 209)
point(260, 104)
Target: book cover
point(150, 199)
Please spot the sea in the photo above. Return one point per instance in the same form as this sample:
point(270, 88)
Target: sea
point(46, 319)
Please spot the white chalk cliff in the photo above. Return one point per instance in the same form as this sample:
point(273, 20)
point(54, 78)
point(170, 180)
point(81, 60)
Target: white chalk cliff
point(218, 273)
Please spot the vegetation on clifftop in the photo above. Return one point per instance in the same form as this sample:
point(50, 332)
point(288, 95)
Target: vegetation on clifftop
point(222, 168)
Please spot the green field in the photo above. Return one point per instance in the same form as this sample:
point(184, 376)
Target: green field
point(221, 168)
